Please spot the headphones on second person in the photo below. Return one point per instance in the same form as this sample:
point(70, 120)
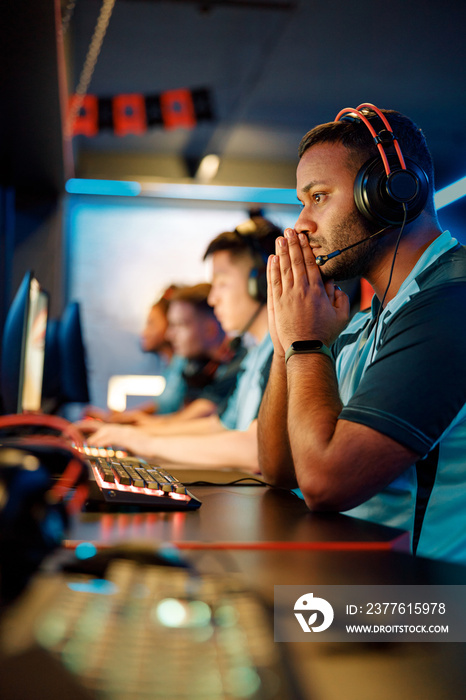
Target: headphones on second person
point(252, 231)
point(390, 189)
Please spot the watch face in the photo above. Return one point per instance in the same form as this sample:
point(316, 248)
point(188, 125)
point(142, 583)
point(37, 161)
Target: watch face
point(306, 345)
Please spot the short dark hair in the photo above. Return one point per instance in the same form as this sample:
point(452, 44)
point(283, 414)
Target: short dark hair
point(196, 295)
point(356, 137)
point(255, 237)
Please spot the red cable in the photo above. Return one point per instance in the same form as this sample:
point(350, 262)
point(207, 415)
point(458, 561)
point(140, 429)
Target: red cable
point(55, 422)
point(76, 468)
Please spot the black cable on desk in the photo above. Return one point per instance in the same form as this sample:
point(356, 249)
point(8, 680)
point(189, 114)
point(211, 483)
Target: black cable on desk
point(234, 482)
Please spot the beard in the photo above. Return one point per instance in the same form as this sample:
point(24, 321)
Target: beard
point(359, 260)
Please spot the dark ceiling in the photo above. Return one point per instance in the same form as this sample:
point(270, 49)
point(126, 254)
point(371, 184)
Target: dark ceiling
point(277, 68)
point(274, 69)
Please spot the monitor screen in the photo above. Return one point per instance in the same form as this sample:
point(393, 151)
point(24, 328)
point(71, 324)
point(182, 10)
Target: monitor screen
point(23, 347)
point(34, 349)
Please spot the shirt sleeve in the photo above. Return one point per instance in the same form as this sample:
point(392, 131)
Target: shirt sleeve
point(416, 385)
point(244, 403)
point(172, 397)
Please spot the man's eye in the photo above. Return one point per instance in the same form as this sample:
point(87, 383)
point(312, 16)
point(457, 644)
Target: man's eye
point(318, 197)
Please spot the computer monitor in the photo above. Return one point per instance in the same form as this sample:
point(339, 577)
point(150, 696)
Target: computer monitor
point(73, 369)
point(23, 347)
point(51, 383)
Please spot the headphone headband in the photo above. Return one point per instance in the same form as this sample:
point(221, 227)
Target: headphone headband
point(377, 138)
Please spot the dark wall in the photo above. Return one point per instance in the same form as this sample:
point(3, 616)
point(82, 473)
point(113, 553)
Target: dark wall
point(34, 158)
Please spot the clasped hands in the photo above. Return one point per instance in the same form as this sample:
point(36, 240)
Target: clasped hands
point(301, 305)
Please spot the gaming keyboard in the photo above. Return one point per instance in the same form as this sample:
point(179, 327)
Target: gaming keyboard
point(151, 632)
point(133, 481)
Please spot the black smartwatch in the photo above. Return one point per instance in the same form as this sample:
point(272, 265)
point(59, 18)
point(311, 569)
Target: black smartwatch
point(305, 347)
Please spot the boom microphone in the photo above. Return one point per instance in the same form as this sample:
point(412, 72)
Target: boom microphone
point(322, 259)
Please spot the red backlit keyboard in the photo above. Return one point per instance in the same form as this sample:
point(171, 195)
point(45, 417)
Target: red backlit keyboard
point(132, 481)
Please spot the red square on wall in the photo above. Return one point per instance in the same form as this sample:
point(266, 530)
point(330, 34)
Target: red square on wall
point(129, 114)
point(177, 109)
point(86, 118)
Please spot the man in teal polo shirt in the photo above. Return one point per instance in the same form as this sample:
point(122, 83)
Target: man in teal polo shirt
point(376, 425)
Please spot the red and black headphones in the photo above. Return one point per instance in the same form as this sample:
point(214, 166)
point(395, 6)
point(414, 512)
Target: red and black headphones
point(390, 189)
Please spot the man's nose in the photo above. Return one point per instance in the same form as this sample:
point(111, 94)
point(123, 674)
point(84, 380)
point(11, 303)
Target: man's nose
point(305, 222)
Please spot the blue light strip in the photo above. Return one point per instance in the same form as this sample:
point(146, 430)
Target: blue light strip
point(118, 188)
point(263, 195)
point(451, 193)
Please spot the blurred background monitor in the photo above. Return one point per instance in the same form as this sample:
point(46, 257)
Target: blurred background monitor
point(51, 384)
point(65, 370)
point(23, 348)
point(72, 357)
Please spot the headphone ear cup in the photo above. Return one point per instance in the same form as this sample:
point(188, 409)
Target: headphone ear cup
point(380, 198)
point(257, 285)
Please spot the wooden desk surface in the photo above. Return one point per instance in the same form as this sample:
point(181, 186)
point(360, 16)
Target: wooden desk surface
point(355, 671)
point(241, 516)
point(248, 519)
point(364, 671)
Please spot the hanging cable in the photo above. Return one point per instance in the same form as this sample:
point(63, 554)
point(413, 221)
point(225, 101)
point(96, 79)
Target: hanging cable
point(89, 64)
point(67, 15)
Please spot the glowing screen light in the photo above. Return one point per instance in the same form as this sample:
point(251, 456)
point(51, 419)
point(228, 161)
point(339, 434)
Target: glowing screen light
point(98, 585)
point(122, 385)
point(171, 612)
point(85, 550)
